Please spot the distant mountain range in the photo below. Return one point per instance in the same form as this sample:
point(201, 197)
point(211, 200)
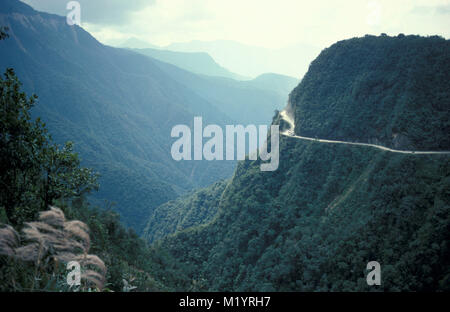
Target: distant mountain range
point(237, 60)
point(253, 61)
point(196, 62)
point(135, 43)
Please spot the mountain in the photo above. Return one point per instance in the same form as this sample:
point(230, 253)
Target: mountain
point(398, 99)
point(281, 84)
point(117, 106)
point(135, 43)
point(243, 101)
point(253, 61)
point(196, 62)
point(316, 222)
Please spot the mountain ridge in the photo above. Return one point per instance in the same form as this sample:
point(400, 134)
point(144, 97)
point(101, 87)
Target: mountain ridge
point(399, 111)
point(196, 62)
point(253, 61)
point(329, 209)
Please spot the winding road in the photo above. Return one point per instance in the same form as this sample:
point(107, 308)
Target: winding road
point(290, 133)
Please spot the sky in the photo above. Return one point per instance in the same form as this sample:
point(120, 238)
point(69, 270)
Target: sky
point(272, 24)
point(266, 23)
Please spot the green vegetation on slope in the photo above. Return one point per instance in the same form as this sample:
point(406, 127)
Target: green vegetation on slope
point(329, 209)
point(387, 90)
point(190, 210)
point(315, 223)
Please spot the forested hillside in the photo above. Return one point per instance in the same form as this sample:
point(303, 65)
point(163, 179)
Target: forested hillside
point(119, 108)
point(190, 210)
point(316, 222)
point(387, 90)
point(329, 209)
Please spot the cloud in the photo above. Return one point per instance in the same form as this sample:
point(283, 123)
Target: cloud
point(105, 12)
point(267, 23)
point(443, 9)
point(272, 24)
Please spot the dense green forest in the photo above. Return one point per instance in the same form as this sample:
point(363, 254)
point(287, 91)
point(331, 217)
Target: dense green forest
point(315, 223)
point(190, 210)
point(329, 209)
point(387, 90)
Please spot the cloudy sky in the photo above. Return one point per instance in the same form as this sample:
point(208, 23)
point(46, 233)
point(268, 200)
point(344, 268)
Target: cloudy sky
point(291, 32)
point(266, 23)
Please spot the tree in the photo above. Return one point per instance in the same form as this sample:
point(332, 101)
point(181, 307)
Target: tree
point(21, 145)
point(63, 178)
point(34, 171)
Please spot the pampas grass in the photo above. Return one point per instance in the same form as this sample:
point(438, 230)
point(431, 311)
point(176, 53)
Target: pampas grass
point(52, 236)
point(9, 240)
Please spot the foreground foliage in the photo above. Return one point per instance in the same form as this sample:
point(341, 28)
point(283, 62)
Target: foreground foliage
point(36, 173)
